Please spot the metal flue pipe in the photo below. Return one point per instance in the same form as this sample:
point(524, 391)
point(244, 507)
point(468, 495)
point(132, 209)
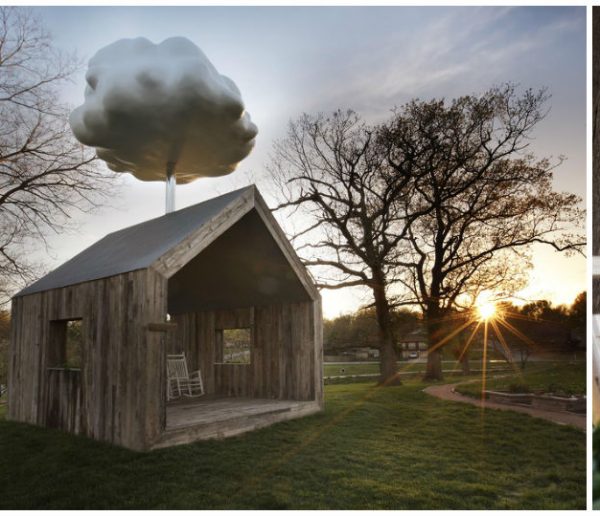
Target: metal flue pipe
point(170, 187)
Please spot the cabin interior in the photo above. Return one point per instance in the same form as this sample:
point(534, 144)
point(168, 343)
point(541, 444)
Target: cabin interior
point(244, 320)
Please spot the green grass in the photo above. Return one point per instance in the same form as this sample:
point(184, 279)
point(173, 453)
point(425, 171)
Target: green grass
point(350, 369)
point(373, 367)
point(558, 377)
point(373, 448)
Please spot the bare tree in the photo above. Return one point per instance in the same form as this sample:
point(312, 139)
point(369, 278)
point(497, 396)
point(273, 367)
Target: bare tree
point(432, 208)
point(331, 170)
point(44, 173)
point(484, 199)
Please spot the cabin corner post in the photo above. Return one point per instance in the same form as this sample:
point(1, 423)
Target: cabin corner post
point(25, 361)
point(318, 351)
point(154, 353)
point(13, 347)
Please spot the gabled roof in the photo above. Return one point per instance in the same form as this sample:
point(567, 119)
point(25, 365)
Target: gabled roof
point(141, 246)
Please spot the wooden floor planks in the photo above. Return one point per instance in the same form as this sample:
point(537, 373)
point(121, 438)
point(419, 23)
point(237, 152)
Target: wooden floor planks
point(215, 418)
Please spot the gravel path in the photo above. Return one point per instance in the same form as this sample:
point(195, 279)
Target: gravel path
point(446, 392)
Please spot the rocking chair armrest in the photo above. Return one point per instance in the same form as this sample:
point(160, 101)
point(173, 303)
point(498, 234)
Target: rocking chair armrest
point(196, 374)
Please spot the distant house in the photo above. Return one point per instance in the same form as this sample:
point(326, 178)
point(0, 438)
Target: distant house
point(412, 344)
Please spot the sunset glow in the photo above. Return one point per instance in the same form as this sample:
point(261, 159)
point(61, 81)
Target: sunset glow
point(486, 310)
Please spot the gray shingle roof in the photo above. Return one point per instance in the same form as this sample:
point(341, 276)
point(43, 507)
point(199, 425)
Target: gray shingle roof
point(133, 248)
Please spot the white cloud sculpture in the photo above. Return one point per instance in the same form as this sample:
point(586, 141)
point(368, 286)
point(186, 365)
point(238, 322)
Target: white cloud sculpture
point(147, 105)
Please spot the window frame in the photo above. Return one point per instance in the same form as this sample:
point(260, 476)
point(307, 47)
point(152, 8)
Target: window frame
point(58, 344)
point(220, 346)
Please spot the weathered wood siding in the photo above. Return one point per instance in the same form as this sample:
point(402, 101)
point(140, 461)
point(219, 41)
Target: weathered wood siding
point(286, 356)
point(596, 131)
point(63, 399)
point(317, 322)
point(123, 369)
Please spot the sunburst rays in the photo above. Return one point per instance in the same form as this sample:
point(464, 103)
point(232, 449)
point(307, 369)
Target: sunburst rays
point(489, 321)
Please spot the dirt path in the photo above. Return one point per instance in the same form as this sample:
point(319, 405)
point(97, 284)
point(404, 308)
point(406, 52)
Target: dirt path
point(446, 392)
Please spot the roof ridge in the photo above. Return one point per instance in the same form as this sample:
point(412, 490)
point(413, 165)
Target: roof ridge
point(181, 210)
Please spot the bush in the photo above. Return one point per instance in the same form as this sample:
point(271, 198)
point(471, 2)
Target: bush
point(518, 388)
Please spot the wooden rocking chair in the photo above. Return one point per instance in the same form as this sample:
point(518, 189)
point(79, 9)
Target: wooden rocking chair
point(179, 381)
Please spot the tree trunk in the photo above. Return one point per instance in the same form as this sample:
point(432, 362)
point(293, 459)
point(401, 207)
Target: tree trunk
point(434, 366)
point(388, 366)
point(462, 353)
point(464, 363)
point(434, 355)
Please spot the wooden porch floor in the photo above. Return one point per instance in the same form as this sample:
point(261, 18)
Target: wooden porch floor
point(195, 419)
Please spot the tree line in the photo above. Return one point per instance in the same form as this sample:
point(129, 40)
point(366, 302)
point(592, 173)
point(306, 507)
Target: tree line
point(549, 327)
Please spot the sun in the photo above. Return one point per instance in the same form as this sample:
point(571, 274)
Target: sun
point(486, 310)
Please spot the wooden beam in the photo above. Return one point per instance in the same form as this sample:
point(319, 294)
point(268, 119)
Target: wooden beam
point(161, 326)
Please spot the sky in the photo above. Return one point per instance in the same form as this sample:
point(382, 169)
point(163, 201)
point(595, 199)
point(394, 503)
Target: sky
point(290, 60)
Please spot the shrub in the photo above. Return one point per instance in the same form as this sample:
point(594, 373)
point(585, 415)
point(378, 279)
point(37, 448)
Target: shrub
point(518, 388)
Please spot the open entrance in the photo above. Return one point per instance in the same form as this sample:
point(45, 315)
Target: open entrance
point(245, 322)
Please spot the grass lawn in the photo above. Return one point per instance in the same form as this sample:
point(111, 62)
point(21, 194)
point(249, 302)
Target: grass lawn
point(558, 377)
point(376, 448)
point(415, 367)
point(349, 369)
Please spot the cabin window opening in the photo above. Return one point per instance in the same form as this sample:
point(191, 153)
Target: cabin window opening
point(234, 346)
point(66, 344)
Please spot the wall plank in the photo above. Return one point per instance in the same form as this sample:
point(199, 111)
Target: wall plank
point(287, 345)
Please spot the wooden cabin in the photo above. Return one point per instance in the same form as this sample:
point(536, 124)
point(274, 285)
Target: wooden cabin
point(177, 283)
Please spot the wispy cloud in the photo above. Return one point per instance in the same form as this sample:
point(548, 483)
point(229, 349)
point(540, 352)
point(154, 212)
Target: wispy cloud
point(460, 51)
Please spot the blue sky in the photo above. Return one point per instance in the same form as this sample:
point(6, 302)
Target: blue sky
point(289, 60)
